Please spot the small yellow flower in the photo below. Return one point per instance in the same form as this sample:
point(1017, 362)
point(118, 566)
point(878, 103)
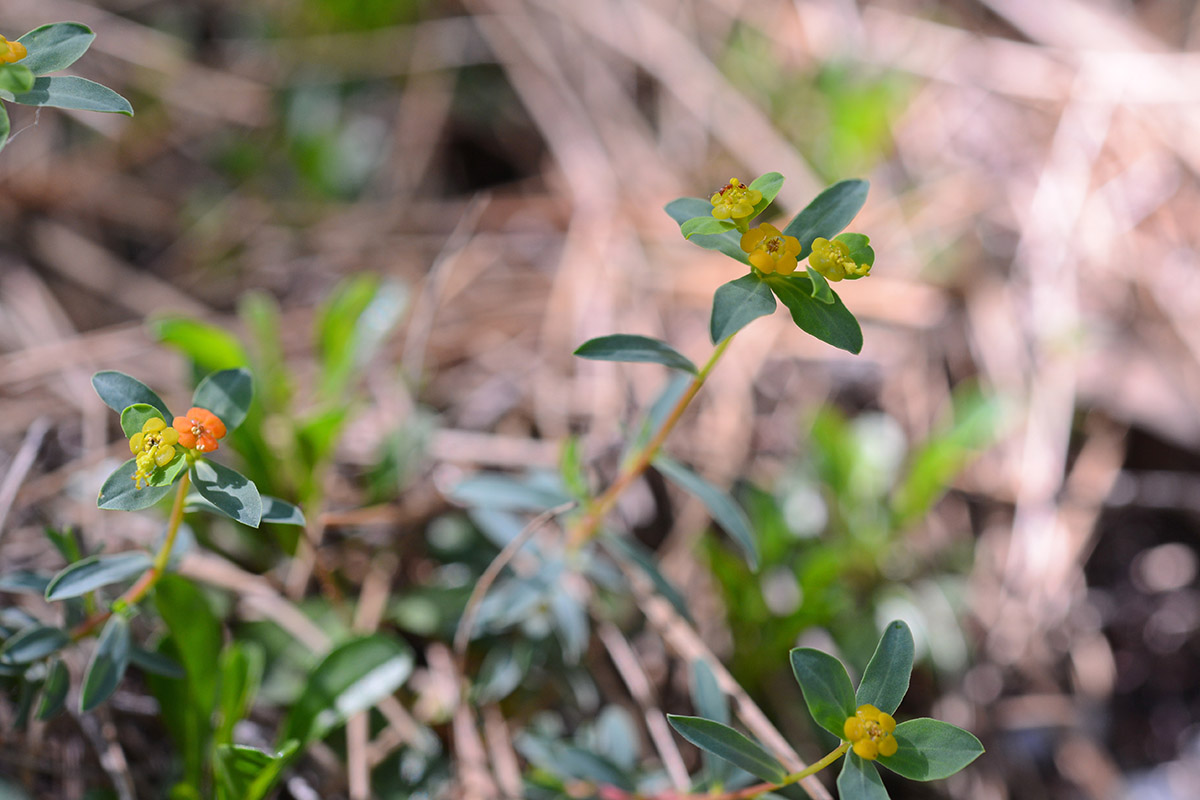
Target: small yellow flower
point(869, 732)
point(832, 259)
point(735, 201)
point(770, 250)
point(152, 447)
point(11, 51)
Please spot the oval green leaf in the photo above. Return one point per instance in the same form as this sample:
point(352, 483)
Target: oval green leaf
point(828, 213)
point(826, 688)
point(724, 510)
point(227, 394)
point(633, 348)
point(108, 663)
point(56, 46)
point(120, 492)
point(69, 91)
point(281, 512)
point(120, 391)
point(705, 226)
point(352, 678)
point(737, 304)
point(33, 643)
point(726, 743)
point(729, 243)
point(860, 780)
point(95, 571)
point(931, 750)
point(210, 347)
point(885, 680)
point(23, 581)
point(769, 184)
point(54, 692)
point(232, 493)
point(135, 416)
point(15, 79)
point(831, 323)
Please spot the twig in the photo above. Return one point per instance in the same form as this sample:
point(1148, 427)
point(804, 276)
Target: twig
point(21, 464)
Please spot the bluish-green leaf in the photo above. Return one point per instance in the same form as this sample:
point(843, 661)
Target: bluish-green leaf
point(120, 391)
point(210, 347)
point(820, 286)
point(352, 678)
point(570, 763)
point(725, 742)
point(246, 773)
point(281, 512)
point(69, 91)
point(630, 347)
point(769, 184)
point(23, 581)
point(54, 691)
point(826, 688)
point(706, 226)
point(156, 663)
point(885, 680)
point(860, 780)
point(737, 304)
point(136, 415)
point(108, 663)
point(15, 79)
point(33, 643)
point(710, 703)
point(930, 750)
point(828, 213)
point(95, 571)
point(55, 46)
point(729, 243)
point(232, 493)
point(724, 510)
point(227, 394)
point(504, 492)
point(120, 492)
point(831, 323)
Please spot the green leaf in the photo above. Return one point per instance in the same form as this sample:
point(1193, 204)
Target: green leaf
point(232, 493)
point(108, 663)
point(706, 226)
point(136, 415)
point(832, 323)
point(724, 510)
point(5, 126)
point(120, 391)
point(710, 703)
point(353, 677)
point(33, 644)
point(769, 184)
point(227, 394)
point(725, 742)
point(885, 680)
point(860, 251)
point(860, 780)
point(156, 663)
point(281, 512)
point(120, 492)
point(68, 91)
point(826, 688)
point(828, 213)
point(630, 347)
point(15, 78)
point(241, 669)
point(247, 773)
point(210, 347)
point(95, 571)
point(729, 243)
point(820, 287)
point(54, 692)
point(55, 46)
point(509, 492)
point(353, 325)
point(737, 304)
point(23, 581)
point(931, 750)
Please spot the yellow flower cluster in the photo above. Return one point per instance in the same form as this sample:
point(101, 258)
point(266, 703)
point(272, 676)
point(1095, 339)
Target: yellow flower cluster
point(153, 446)
point(734, 201)
point(832, 259)
point(869, 732)
point(770, 250)
point(11, 51)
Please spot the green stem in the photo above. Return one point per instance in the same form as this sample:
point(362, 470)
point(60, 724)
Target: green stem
point(587, 526)
point(135, 593)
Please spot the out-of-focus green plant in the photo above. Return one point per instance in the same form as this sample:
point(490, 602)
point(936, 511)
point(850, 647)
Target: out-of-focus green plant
point(26, 64)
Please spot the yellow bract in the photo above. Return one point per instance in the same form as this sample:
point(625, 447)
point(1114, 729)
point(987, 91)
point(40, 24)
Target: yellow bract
point(11, 51)
point(869, 732)
point(771, 251)
point(832, 259)
point(153, 446)
point(734, 201)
